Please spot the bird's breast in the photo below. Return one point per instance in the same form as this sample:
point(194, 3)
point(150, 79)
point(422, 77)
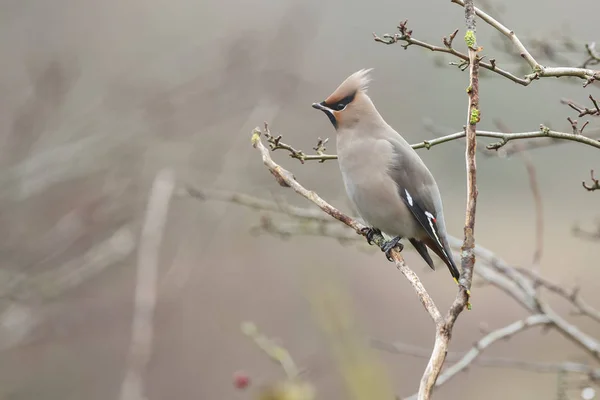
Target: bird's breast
point(364, 165)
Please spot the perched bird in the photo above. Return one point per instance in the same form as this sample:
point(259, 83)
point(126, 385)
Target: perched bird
point(386, 180)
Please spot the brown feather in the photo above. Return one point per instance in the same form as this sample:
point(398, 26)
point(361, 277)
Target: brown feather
point(357, 82)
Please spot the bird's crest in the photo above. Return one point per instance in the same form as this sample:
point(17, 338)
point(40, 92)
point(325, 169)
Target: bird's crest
point(357, 82)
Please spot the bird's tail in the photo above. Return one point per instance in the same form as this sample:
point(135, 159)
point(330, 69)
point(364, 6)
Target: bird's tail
point(446, 256)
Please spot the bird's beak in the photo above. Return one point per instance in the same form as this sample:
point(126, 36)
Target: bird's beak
point(319, 106)
point(328, 111)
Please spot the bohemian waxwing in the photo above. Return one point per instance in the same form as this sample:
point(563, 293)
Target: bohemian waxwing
point(385, 179)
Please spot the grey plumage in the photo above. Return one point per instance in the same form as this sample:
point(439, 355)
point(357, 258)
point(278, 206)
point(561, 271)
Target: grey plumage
point(386, 180)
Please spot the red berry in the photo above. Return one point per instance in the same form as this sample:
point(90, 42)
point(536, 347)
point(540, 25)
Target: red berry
point(241, 380)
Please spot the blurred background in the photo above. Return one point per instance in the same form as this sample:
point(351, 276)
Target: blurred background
point(96, 97)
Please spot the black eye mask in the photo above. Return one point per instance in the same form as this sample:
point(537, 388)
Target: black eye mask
point(341, 105)
point(338, 106)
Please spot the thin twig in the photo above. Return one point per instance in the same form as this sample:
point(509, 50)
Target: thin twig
point(275, 143)
point(140, 349)
point(595, 183)
point(544, 132)
point(277, 353)
point(593, 55)
point(448, 49)
point(582, 110)
point(507, 150)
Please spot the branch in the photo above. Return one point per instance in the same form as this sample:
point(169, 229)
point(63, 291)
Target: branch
point(277, 353)
point(539, 71)
point(286, 179)
point(573, 296)
point(493, 362)
point(292, 386)
point(544, 132)
point(406, 36)
point(276, 144)
point(140, 348)
point(594, 56)
point(595, 185)
point(444, 332)
point(519, 145)
point(253, 202)
point(583, 111)
point(489, 339)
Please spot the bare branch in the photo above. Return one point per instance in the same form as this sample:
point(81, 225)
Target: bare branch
point(508, 149)
point(488, 340)
point(571, 331)
point(276, 144)
point(539, 71)
point(492, 362)
point(252, 202)
point(406, 36)
point(444, 332)
point(544, 132)
point(573, 296)
point(140, 349)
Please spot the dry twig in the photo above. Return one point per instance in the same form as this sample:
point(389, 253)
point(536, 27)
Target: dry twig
point(582, 110)
point(595, 183)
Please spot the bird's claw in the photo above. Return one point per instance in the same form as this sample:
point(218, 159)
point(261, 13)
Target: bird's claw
point(388, 246)
point(369, 233)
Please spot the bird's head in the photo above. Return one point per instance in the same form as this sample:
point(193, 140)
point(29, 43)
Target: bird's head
point(349, 102)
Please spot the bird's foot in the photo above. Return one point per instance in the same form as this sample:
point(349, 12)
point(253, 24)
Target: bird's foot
point(369, 233)
point(391, 244)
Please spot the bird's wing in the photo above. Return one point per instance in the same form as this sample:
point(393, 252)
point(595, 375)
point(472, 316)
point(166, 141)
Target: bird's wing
point(420, 194)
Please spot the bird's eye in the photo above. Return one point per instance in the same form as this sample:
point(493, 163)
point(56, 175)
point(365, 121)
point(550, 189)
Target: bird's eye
point(340, 106)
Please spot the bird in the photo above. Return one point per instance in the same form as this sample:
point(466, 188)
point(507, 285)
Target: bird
point(385, 179)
